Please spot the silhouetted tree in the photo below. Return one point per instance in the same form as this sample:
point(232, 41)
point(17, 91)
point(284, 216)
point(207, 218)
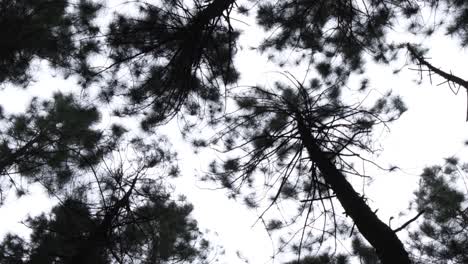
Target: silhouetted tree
point(159, 232)
point(120, 213)
point(299, 138)
point(177, 53)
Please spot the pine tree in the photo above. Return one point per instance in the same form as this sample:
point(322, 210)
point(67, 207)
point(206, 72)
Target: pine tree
point(119, 213)
point(179, 57)
point(299, 138)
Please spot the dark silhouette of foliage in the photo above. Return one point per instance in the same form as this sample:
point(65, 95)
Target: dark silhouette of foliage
point(58, 31)
point(322, 259)
point(53, 141)
point(441, 237)
point(344, 29)
point(348, 30)
point(176, 54)
point(119, 213)
point(362, 253)
point(176, 57)
point(365, 253)
point(12, 250)
point(162, 232)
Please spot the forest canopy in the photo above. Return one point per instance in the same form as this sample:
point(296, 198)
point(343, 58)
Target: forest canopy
point(143, 78)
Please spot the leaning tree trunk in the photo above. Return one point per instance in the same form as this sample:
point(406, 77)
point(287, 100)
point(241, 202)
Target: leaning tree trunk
point(388, 246)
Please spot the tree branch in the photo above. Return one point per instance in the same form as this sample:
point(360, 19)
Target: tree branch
point(409, 222)
point(449, 77)
point(318, 199)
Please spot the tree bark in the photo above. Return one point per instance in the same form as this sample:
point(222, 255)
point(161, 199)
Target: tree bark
point(388, 246)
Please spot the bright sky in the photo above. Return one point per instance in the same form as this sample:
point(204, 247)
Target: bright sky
point(433, 128)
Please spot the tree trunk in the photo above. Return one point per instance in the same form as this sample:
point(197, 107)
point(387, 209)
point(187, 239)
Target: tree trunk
point(386, 243)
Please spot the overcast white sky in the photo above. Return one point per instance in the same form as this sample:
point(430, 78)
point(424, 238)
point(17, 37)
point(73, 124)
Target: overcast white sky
point(433, 128)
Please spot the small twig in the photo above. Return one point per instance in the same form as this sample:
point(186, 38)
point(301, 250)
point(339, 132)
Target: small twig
point(317, 199)
point(352, 230)
point(409, 222)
